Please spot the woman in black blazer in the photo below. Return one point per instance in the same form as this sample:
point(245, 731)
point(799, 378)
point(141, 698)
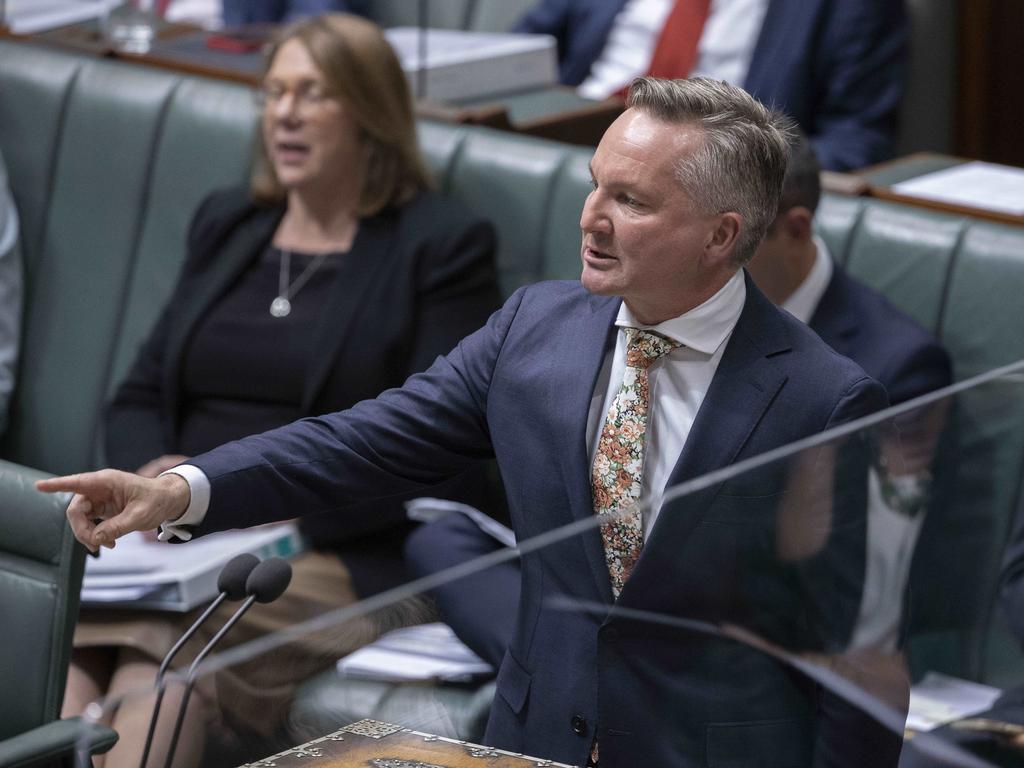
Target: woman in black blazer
point(334, 276)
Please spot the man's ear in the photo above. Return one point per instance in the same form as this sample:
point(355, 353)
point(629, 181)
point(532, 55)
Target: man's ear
point(797, 223)
point(722, 243)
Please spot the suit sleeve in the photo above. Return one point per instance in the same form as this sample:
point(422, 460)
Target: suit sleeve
point(457, 290)
point(863, 53)
point(429, 430)
point(134, 429)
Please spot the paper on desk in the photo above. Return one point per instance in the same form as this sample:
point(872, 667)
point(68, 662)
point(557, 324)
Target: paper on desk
point(426, 509)
point(940, 699)
point(27, 17)
point(144, 573)
point(424, 652)
point(987, 186)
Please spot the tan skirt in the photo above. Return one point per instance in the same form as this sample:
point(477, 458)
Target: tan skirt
point(259, 691)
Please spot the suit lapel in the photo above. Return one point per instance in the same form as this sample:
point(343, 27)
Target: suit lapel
point(586, 338)
point(358, 270)
point(232, 256)
point(742, 391)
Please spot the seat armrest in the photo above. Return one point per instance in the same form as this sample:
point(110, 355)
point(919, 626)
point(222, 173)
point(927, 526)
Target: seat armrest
point(49, 743)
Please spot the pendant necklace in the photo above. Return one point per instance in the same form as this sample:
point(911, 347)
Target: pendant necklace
point(281, 306)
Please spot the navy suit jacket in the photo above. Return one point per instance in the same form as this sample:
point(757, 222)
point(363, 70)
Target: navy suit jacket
point(861, 324)
point(520, 389)
point(835, 66)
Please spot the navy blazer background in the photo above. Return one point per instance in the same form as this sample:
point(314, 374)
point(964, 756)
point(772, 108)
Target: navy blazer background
point(836, 66)
point(417, 279)
point(520, 389)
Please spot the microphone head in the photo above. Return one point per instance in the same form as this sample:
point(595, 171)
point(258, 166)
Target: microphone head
point(234, 575)
point(269, 580)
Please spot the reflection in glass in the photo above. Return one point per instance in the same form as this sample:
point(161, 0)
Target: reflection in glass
point(796, 597)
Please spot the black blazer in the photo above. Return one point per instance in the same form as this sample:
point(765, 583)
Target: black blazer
point(418, 278)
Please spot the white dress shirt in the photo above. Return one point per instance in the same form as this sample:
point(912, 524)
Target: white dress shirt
point(678, 383)
point(802, 303)
point(725, 50)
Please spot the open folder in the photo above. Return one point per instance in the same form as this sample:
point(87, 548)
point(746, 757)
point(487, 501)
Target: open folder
point(140, 573)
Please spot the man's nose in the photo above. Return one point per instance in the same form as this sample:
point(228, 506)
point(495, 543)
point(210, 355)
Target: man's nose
point(593, 218)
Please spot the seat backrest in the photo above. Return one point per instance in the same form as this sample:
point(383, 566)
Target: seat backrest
point(40, 577)
point(108, 161)
point(958, 278)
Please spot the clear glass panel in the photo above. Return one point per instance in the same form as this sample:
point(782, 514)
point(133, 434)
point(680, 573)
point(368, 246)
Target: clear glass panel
point(779, 614)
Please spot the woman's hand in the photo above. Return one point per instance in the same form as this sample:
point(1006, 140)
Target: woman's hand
point(160, 464)
point(108, 504)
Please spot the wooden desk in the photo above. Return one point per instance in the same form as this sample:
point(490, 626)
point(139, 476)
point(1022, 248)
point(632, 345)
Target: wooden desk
point(382, 745)
point(553, 112)
point(880, 179)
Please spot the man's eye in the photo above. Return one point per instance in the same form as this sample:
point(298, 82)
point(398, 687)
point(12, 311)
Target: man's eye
point(630, 201)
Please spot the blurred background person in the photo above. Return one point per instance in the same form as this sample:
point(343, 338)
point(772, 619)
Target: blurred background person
point(836, 66)
point(239, 12)
point(10, 295)
point(334, 276)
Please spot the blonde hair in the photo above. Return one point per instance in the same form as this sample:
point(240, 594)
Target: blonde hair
point(361, 69)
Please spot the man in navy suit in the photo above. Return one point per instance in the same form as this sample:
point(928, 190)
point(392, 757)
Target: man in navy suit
point(794, 269)
point(665, 323)
point(836, 66)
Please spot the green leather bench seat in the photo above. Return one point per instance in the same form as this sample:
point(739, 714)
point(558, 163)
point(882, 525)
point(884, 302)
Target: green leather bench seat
point(108, 160)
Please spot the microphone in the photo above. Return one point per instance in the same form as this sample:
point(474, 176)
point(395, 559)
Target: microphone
point(231, 584)
point(265, 584)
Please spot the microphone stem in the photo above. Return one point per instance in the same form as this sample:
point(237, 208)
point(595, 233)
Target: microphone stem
point(190, 679)
point(163, 670)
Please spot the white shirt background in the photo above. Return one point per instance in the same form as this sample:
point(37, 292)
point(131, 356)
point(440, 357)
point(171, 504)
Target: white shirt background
point(726, 44)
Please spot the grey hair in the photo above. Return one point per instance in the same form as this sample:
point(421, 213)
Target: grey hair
point(741, 162)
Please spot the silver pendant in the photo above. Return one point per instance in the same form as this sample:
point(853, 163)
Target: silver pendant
point(280, 307)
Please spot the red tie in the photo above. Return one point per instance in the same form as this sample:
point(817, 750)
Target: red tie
point(676, 52)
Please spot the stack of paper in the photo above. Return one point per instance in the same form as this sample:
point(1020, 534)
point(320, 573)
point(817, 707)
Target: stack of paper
point(140, 573)
point(420, 653)
point(466, 65)
point(27, 17)
point(939, 699)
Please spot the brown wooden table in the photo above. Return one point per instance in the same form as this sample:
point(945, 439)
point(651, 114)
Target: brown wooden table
point(383, 745)
point(879, 180)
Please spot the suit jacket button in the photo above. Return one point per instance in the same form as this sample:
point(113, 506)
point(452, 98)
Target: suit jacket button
point(579, 725)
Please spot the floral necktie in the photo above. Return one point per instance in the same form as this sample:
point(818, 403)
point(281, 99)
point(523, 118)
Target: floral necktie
point(619, 459)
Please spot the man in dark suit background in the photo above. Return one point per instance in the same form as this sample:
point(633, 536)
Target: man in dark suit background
point(836, 66)
point(665, 364)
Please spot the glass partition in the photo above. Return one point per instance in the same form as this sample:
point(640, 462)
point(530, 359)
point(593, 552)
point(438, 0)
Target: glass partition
point(779, 614)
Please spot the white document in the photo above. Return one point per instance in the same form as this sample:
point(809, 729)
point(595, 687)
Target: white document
point(26, 17)
point(987, 186)
point(420, 653)
point(140, 573)
point(939, 699)
point(467, 65)
point(426, 509)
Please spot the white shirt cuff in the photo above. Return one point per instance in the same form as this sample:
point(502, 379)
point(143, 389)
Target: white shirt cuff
point(198, 503)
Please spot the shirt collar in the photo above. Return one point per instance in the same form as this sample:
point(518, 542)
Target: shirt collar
point(804, 300)
point(705, 327)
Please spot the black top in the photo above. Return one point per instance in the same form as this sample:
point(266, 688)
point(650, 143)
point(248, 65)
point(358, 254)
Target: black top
point(244, 369)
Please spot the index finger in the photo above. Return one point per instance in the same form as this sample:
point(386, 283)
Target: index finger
point(85, 483)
